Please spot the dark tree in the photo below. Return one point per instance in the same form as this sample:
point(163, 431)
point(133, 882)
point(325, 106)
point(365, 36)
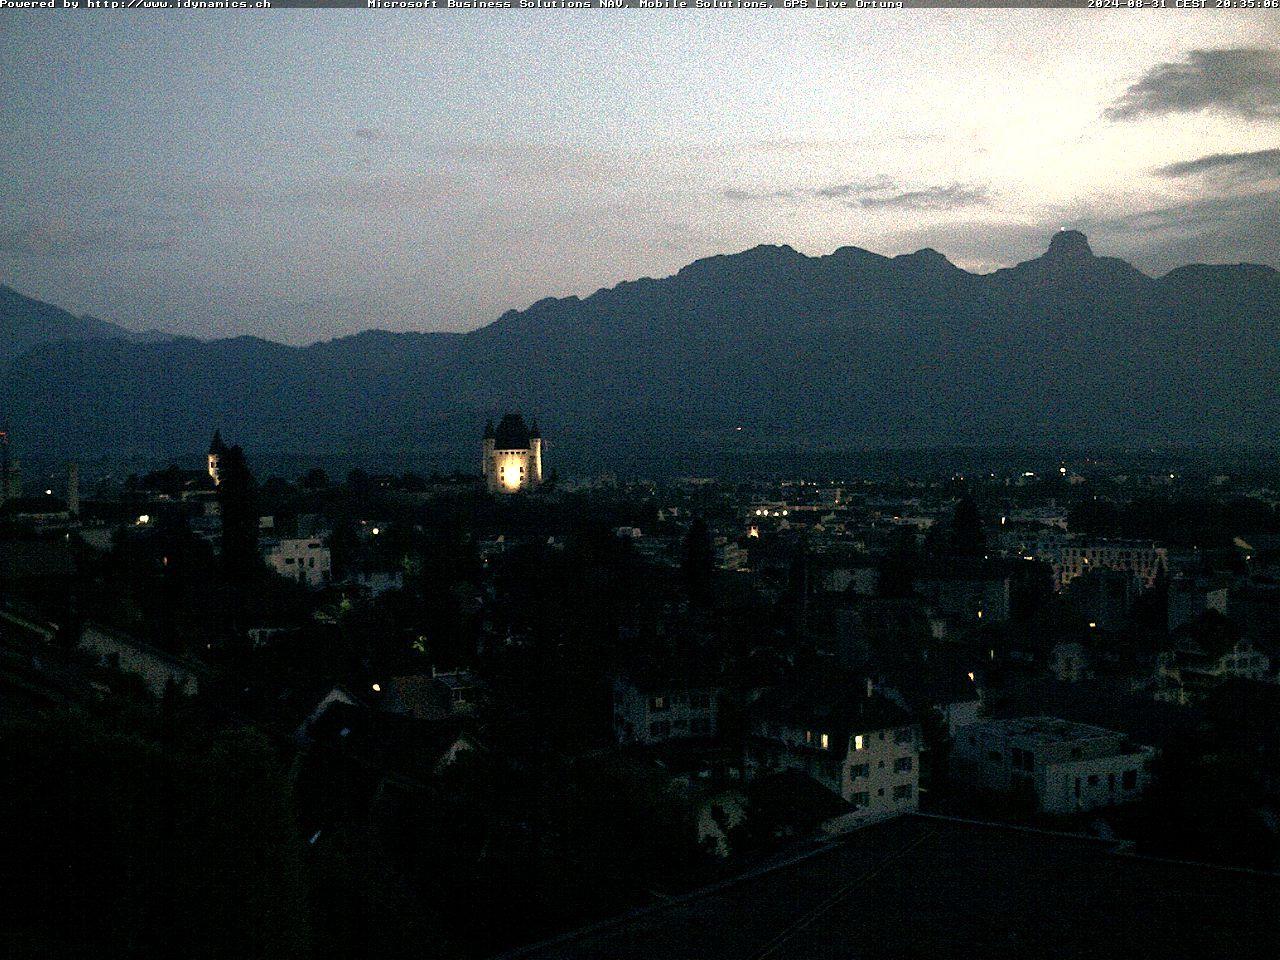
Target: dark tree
point(897, 569)
point(315, 479)
point(967, 537)
point(237, 496)
point(698, 563)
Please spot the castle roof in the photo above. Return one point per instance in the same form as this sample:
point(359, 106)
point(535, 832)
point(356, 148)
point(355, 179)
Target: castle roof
point(512, 433)
point(217, 446)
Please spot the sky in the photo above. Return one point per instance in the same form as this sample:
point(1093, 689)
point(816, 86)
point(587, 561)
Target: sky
point(302, 175)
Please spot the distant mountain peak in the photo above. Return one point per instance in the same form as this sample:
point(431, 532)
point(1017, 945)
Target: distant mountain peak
point(1069, 245)
point(927, 256)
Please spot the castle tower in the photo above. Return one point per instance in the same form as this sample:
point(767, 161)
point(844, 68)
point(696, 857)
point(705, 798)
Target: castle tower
point(216, 450)
point(535, 455)
point(513, 456)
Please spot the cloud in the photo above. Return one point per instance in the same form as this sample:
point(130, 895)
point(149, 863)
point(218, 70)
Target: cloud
point(1243, 81)
point(834, 191)
point(1222, 229)
point(57, 238)
point(371, 134)
point(950, 197)
point(1263, 164)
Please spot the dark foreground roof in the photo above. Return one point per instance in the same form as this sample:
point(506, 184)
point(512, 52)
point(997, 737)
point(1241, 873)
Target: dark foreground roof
point(933, 888)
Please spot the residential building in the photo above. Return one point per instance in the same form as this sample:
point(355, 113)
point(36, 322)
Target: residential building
point(652, 706)
point(967, 591)
point(1189, 597)
point(1145, 561)
point(1195, 667)
point(158, 670)
point(1068, 767)
point(855, 743)
point(304, 559)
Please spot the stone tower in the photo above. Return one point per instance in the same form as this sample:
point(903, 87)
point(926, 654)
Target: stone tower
point(512, 455)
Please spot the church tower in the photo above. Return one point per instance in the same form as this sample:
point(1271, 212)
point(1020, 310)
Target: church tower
point(216, 450)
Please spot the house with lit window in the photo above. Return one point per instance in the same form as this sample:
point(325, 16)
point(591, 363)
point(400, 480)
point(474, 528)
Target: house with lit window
point(1067, 767)
point(653, 705)
point(304, 559)
point(851, 740)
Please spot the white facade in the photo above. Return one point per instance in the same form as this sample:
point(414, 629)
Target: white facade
point(1070, 767)
point(304, 559)
point(876, 768)
point(654, 713)
point(1143, 560)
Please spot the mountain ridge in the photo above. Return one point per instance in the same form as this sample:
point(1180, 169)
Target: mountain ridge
point(26, 322)
point(848, 350)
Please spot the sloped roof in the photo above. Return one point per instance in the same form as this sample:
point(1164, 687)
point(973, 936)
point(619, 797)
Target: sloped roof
point(836, 709)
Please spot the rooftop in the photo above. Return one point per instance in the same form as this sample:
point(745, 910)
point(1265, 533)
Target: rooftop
point(1050, 729)
point(930, 887)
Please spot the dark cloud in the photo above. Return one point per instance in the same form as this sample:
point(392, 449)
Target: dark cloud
point(371, 134)
point(1235, 166)
point(1244, 81)
point(948, 197)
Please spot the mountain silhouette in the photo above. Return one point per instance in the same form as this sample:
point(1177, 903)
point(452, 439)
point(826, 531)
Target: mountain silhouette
point(840, 352)
point(26, 323)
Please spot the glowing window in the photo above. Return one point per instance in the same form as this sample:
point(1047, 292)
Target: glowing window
point(858, 741)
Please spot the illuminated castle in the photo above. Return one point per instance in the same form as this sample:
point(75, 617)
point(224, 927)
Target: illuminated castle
point(512, 455)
